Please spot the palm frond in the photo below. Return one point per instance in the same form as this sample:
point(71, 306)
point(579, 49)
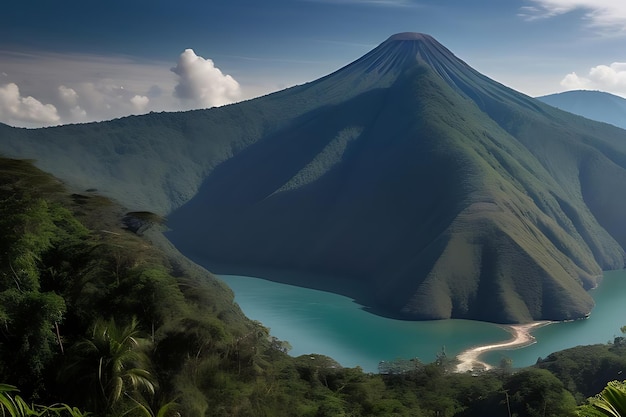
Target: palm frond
point(611, 401)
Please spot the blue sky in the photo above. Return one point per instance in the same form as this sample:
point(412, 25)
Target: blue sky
point(77, 61)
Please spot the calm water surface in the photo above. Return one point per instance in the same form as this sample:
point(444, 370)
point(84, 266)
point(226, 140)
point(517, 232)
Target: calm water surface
point(604, 324)
point(314, 321)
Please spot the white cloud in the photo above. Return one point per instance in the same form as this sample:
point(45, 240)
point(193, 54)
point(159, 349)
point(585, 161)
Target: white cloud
point(201, 84)
point(24, 111)
point(610, 78)
point(83, 88)
point(600, 14)
point(69, 109)
point(573, 82)
point(140, 102)
point(613, 75)
point(77, 114)
point(68, 95)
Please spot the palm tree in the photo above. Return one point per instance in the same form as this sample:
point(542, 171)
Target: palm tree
point(611, 402)
point(111, 365)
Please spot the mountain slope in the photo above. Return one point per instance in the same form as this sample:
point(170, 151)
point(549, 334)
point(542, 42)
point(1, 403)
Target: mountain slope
point(406, 179)
point(443, 200)
point(594, 105)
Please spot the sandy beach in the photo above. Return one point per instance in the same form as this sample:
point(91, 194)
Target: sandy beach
point(522, 336)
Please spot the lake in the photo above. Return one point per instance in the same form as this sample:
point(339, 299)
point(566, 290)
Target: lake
point(315, 321)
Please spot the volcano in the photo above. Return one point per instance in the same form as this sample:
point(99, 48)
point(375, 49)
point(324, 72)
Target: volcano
point(406, 180)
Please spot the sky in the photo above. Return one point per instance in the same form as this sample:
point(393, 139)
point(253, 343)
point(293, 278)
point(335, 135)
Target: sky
point(79, 61)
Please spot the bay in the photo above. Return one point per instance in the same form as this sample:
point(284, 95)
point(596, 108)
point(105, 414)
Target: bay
point(314, 321)
point(602, 326)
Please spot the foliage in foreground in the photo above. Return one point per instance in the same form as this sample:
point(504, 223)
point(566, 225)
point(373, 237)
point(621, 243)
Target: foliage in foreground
point(611, 402)
point(13, 405)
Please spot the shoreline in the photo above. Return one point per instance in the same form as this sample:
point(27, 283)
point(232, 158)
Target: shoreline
point(470, 358)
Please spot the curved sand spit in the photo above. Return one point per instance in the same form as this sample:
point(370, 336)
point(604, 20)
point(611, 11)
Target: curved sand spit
point(469, 358)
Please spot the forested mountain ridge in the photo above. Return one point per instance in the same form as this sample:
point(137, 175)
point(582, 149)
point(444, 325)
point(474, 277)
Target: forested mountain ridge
point(414, 183)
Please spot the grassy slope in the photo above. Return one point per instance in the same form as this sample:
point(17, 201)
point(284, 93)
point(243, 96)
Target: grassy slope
point(437, 210)
point(157, 162)
point(549, 238)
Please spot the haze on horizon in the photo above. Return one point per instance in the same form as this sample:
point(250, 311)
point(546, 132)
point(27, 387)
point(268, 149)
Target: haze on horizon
point(78, 62)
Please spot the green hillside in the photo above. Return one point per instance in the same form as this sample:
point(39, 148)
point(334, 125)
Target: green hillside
point(459, 198)
point(406, 180)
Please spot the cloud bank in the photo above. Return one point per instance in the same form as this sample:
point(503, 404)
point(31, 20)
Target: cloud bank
point(605, 15)
point(49, 89)
point(611, 78)
point(201, 84)
point(16, 109)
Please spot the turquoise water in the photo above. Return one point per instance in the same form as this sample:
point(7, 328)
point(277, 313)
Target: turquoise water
point(314, 321)
point(604, 324)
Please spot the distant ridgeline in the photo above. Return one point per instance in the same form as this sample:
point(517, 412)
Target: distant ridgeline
point(594, 105)
point(409, 180)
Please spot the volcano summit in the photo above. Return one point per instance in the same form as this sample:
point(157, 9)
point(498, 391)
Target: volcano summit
point(406, 179)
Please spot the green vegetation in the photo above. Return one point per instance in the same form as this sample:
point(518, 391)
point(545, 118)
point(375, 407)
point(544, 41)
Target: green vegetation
point(422, 188)
point(123, 366)
point(13, 405)
point(611, 402)
point(459, 198)
point(450, 194)
point(95, 320)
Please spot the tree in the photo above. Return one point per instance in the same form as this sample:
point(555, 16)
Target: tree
point(112, 365)
point(29, 314)
point(400, 366)
point(505, 367)
point(537, 392)
point(27, 335)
